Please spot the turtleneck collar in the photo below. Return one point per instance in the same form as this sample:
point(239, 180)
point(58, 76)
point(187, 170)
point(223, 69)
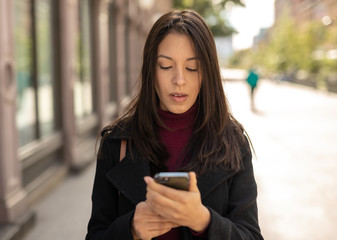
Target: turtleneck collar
point(179, 121)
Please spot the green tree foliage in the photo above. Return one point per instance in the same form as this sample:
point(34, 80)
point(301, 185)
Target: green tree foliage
point(296, 48)
point(242, 59)
point(285, 47)
point(291, 48)
point(213, 11)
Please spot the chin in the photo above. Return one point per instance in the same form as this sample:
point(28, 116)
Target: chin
point(179, 110)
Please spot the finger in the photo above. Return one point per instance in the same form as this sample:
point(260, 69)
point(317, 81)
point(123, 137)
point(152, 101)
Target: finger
point(193, 182)
point(148, 179)
point(158, 219)
point(150, 230)
point(161, 229)
point(165, 207)
point(157, 201)
point(145, 209)
point(162, 225)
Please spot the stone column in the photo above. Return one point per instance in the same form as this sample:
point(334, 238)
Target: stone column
point(134, 46)
point(12, 195)
point(68, 30)
point(100, 33)
point(120, 34)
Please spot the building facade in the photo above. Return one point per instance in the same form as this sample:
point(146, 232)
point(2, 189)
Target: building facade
point(304, 11)
point(321, 15)
point(66, 69)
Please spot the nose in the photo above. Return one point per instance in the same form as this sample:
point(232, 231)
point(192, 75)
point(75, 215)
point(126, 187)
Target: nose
point(179, 78)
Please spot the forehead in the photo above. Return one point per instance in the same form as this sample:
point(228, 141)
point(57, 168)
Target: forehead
point(176, 44)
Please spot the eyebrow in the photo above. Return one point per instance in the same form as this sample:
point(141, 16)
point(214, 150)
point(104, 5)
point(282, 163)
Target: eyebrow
point(167, 57)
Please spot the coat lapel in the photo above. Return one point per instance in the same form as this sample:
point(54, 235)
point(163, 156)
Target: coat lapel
point(208, 182)
point(128, 178)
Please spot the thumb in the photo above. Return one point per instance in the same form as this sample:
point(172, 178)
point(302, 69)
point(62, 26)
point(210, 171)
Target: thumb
point(193, 182)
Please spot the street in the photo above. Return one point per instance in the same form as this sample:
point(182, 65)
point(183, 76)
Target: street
point(294, 135)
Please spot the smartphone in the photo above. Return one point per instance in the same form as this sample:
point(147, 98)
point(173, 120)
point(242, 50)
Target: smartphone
point(177, 180)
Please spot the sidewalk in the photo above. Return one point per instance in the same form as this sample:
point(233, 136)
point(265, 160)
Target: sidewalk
point(63, 215)
point(294, 135)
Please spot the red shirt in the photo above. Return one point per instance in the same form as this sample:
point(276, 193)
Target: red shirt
point(175, 139)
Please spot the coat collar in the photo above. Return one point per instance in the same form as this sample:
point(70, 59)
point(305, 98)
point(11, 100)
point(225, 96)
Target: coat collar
point(128, 178)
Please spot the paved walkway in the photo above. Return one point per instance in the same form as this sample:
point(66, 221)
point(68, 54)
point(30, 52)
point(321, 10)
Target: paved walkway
point(63, 214)
point(295, 137)
point(294, 134)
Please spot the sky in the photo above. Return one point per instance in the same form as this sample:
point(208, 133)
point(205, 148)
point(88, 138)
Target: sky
point(248, 21)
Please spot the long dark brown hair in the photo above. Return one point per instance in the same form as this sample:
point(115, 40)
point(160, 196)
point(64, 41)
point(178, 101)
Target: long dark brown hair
point(217, 138)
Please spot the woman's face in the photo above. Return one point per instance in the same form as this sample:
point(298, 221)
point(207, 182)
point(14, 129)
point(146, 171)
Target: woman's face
point(178, 78)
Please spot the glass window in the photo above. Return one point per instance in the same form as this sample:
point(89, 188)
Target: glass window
point(83, 98)
point(26, 102)
point(44, 67)
point(32, 46)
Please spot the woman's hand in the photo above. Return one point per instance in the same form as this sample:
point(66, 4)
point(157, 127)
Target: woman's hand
point(181, 207)
point(147, 224)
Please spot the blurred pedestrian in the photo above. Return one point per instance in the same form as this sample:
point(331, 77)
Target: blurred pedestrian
point(252, 80)
point(179, 121)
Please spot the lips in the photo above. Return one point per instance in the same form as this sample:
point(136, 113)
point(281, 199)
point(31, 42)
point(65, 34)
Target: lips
point(178, 97)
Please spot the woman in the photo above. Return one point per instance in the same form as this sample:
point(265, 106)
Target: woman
point(179, 121)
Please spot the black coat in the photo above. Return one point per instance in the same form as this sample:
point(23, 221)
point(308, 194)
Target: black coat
point(119, 186)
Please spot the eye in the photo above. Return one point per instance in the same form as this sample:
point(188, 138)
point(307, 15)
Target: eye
point(192, 69)
point(165, 68)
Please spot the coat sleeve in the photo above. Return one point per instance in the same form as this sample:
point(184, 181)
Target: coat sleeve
point(241, 219)
point(104, 222)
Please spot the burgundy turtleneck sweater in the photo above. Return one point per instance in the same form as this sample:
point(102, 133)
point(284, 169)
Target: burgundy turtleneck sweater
point(175, 139)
